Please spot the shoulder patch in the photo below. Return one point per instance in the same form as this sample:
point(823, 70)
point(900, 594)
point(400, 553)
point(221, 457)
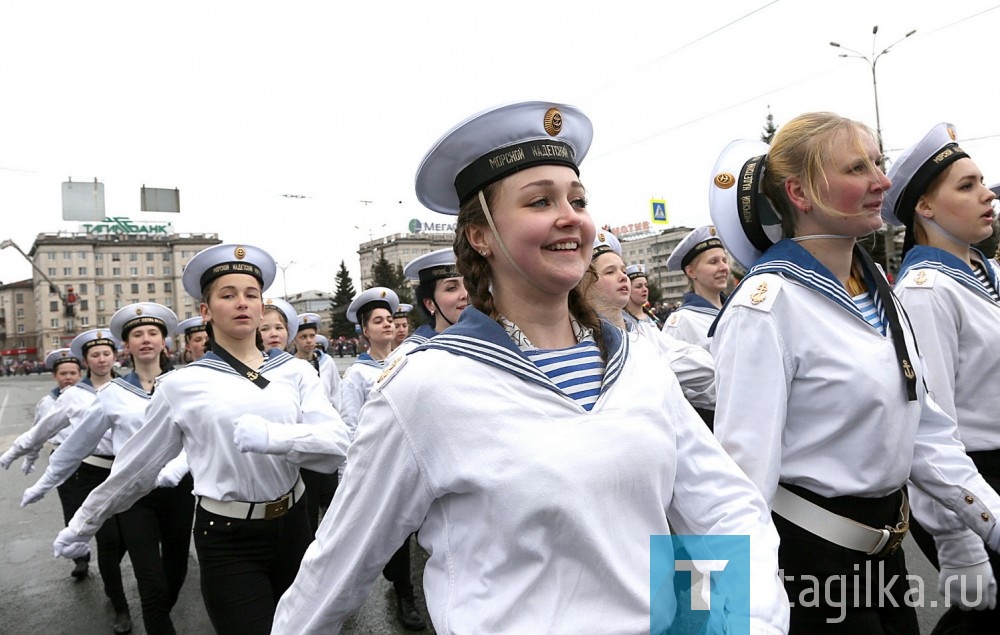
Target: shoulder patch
point(673, 320)
point(759, 292)
point(920, 279)
point(390, 372)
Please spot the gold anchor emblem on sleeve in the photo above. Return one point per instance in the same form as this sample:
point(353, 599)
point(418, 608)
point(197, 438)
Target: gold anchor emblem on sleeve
point(760, 294)
point(921, 277)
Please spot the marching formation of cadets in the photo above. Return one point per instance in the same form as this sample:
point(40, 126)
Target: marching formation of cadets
point(542, 424)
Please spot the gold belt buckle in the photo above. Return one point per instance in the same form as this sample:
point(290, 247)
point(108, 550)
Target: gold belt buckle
point(896, 536)
point(276, 509)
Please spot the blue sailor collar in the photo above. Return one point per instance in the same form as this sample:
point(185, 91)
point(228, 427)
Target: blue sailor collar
point(131, 383)
point(478, 337)
point(694, 302)
point(55, 392)
point(789, 259)
point(86, 384)
point(272, 359)
point(367, 360)
point(926, 257)
point(423, 333)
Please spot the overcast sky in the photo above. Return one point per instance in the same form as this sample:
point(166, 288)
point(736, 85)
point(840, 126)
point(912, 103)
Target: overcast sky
point(239, 104)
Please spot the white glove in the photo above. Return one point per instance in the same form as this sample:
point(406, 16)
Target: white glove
point(71, 545)
point(8, 458)
point(969, 588)
point(33, 494)
point(250, 434)
point(172, 473)
point(28, 466)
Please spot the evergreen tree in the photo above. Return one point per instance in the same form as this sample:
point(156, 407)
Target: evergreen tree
point(769, 127)
point(341, 300)
point(655, 292)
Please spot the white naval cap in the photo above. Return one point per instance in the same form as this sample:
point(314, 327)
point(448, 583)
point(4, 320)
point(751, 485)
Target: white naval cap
point(190, 326)
point(916, 169)
point(436, 265)
point(289, 313)
point(141, 314)
point(371, 299)
point(60, 356)
point(605, 241)
point(691, 246)
point(322, 340)
point(496, 143)
point(219, 260)
point(309, 321)
point(744, 217)
point(636, 271)
point(402, 310)
point(89, 339)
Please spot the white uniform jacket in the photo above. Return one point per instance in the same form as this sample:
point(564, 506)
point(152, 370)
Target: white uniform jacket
point(693, 365)
point(194, 407)
point(537, 514)
point(330, 377)
point(691, 321)
point(354, 388)
point(55, 423)
point(956, 322)
point(420, 336)
point(811, 394)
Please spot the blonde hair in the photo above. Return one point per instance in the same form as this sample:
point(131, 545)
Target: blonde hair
point(478, 274)
point(801, 148)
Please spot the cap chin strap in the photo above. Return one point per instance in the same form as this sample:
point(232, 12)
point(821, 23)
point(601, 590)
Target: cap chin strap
point(941, 230)
point(503, 247)
point(799, 239)
point(440, 312)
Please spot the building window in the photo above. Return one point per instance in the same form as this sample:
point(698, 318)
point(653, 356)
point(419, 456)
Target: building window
point(132, 257)
point(118, 288)
point(54, 323)
point(67, 271)
point(151, 287)
point(133, 301)
point(100, 305)
point(187, 301)
point(20, 313)
point(53, 306)
point(20, 328)
point(135, 287)
point(133, 271)
point(67, 255)
point(102, 319)
point(150, 271)
point(52, 271)
point(98, 256)
point(116, 271)
point(99, 272)
point(116, 257)
point(18, 298)
point(83, 288)
point(84, 320)
point(99, 289)
point(166, 270)
point(81, 271)
point(166, 256)
point(51, 255)
point(169, 302)
point(168, 287)
point(118, 304)
point(55, 341)
point(149, 256)
point(83, 305)
point(82, 255)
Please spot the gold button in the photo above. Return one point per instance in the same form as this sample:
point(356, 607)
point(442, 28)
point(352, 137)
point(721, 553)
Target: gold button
point(211, 522)
point(985, 516)
point(969, 500)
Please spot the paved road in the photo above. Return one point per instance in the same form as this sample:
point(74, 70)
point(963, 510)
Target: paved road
point(38, 596)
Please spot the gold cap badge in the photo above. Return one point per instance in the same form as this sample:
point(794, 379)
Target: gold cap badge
point(138, 310)
point(725, 180)
point(600, 237)
point(951, 133)
point(382, 294)
point(553, 122)
point(711, 230)
point(240, 253)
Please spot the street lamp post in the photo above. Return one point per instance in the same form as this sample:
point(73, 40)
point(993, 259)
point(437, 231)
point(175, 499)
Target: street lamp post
point(284, 281)
point(872, 62)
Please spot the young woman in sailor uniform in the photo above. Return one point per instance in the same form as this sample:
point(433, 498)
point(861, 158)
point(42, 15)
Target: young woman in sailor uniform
point(247, 422)
point(195, 338)
point(638, 296)
point(279, 326)
point(401, 324)
point(157, 528)
point(305, 348)
point(440, 293)
point(535, 451)
point(821, 396)
point(950, 293)
point(96, 348)
point(702, 258)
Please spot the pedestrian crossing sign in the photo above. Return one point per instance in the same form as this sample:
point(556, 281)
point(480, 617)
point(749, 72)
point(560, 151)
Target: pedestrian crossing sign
point(658, 207)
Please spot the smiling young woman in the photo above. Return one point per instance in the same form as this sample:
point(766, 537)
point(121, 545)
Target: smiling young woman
point(505, 434)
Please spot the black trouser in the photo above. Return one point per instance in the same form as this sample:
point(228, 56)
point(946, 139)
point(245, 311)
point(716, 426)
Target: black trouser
point(247, 564)
point(397, 570)
point(320, 489)
point(840, 575)
point(110, 546)
point(157, 532)
point(955, 621)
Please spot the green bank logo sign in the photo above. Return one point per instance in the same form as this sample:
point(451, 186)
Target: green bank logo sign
point(122, 225)
point(417, 226)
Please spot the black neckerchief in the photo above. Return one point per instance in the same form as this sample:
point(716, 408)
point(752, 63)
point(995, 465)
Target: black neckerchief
point(240, 367)
point(895, 328)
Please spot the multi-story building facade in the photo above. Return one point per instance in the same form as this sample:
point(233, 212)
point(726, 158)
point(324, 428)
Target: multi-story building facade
point(105, 271)
point(318, 302)
point(399, 249)
point(652, 247)
point(18, 326)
